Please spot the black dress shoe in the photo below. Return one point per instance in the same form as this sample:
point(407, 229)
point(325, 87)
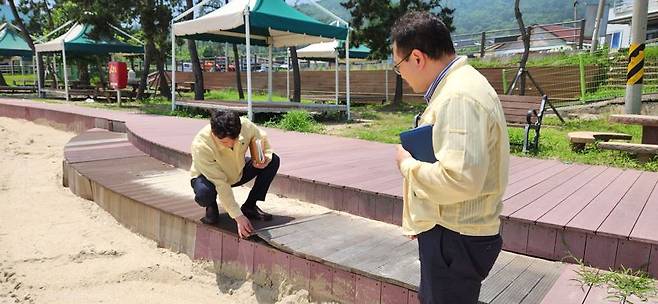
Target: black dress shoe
point(212, 216)
point(255, 213)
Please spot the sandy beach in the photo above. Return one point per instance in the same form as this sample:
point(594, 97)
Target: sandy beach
point(58, 248)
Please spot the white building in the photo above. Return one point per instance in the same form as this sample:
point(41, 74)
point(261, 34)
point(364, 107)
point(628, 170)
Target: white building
point(618, 34)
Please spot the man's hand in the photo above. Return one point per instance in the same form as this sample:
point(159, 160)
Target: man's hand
point(261, 165)
point(244, 226)
point(401, 155)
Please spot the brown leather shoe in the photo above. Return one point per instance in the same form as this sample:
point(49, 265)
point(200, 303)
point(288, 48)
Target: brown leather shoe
point(255, 213)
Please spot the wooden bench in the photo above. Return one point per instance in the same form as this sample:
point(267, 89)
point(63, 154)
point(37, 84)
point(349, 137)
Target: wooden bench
point(526, 112)
point(17, 89)
point(579, 139)
point(644, 151)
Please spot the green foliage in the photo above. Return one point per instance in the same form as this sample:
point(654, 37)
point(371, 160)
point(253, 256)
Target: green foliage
point(373, 20)
point(650, 53)
point(162, 106)
point(476, 16)
point(622, 284)
point(300, 121)
point(600, 58)
point(232, 95)
point(604, 93)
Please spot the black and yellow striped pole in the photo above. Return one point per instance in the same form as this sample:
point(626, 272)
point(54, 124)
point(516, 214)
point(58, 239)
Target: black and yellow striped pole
point(635, 64)
point(635, 71)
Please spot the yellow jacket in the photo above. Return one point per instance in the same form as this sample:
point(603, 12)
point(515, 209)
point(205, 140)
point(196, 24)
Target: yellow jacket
point(462, 191)
point(223, 166)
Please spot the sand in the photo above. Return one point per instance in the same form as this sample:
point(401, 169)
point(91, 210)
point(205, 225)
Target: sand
point(58, 248)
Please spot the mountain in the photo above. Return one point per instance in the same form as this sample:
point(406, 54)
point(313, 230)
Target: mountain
point(331, 5)
point(476, 15)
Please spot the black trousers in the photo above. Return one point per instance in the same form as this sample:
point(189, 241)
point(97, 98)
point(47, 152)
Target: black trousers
point(205, 193)
point(452, 266)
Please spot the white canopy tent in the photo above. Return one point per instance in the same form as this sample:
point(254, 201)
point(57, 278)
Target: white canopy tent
point(332, 50)
point(269, 23)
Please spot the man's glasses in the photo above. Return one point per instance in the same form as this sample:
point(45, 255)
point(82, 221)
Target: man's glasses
point(396, 67)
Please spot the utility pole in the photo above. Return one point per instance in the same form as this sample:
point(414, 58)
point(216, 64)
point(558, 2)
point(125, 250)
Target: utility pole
point(575, 25)
point(635, 74)
point(597, 26)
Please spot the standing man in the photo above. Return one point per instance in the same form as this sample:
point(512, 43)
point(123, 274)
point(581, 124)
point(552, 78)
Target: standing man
point(219, 163)
point(451, 206)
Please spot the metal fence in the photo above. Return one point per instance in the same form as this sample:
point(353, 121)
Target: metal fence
point(543, 38)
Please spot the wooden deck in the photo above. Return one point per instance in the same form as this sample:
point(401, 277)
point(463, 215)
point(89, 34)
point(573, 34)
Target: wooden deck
point(328, 250)
point(551, 210)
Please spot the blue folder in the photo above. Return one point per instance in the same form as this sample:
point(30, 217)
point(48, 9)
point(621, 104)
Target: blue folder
point(418, 142)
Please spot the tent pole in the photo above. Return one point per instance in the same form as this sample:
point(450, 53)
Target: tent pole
point(35, 63)
point(269, 74)
point(22, 71)
point(288, 74)
point(173, 68)
point(347, 71)
point(250, 113)
point(386, 67)
point(337, 65)
point(66, 77)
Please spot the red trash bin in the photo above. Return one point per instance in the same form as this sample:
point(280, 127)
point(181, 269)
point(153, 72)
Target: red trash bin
point(118, 74)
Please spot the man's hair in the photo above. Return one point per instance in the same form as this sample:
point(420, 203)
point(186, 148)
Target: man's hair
point(422, 31)
point(225, 124)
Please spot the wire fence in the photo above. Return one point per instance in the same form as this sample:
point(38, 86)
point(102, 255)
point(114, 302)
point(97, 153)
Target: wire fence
point(569, 84)
point(543, 38)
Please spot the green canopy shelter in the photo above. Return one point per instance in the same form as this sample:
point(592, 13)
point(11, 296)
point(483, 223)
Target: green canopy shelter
point(269, 23)
point(79, 42)
point(12, 42)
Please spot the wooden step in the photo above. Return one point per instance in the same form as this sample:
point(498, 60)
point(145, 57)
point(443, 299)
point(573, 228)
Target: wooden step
point(580, 138)
point(644, 151)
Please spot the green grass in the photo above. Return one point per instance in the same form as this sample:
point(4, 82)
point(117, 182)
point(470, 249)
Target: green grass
point(18, 78)
point(604, 93)
point(300, 121)
point(232, 95)
point(553, 143)
point(621, 285)
point(557, 59)
point(384, 124)
point(380, 123)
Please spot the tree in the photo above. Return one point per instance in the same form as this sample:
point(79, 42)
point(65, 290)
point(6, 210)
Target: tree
point(372, 22)
point(297, 83)
point(196, 65)
point(238, 80)
point(525, 35)
point(24, 32)
point(154, 19)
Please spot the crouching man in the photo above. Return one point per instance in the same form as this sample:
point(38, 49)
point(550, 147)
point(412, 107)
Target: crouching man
point(219, 163)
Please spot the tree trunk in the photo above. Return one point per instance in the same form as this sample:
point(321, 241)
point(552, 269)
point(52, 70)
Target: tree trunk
point(101, 73)
point(196, 65)
point(27, 36)
point(397, 98)
point(237, 71)
point(3, 81)
point(164, 84)
point(83, 70)
point(297, 82)
point(525, 35)
point(148, 54)
point(53, 74)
